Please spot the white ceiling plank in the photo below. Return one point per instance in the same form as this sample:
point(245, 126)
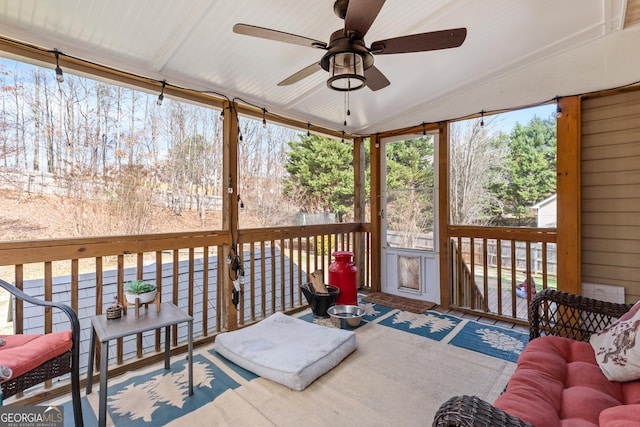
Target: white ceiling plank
point(515, 53)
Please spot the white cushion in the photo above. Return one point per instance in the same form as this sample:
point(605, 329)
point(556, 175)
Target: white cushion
point(286, 350)
point(617, 347)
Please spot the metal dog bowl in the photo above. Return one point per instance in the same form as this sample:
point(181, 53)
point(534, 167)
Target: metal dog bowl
point(346, 316)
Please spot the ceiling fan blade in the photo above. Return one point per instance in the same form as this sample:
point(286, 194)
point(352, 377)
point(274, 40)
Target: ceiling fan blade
point(302, 74)
point(375, 79)
point(422, 42)
point(361, 14)
point(267, 33)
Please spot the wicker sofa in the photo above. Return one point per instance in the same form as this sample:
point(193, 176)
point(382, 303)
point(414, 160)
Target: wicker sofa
point(557, 381)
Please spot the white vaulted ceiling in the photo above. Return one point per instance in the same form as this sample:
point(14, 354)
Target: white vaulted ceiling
point(516, 52)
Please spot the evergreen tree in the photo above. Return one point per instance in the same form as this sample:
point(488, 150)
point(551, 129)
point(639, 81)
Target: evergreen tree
point(409, 179)
point(409, 164)
point(531, 167)
point(321, 174)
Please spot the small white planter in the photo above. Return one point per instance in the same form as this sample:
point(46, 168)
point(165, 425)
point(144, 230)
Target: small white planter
point(144, 298)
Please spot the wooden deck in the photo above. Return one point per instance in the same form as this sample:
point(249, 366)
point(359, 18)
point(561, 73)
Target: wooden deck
point(522, 306)
point(482, 319)
point(521, 312)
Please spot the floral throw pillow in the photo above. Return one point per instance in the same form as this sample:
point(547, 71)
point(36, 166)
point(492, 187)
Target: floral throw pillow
point(617, 349)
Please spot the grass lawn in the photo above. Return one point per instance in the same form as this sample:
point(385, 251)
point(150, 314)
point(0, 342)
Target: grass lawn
point(506, 278)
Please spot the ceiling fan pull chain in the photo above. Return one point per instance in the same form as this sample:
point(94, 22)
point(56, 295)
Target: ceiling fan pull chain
point(346, 102)
point(348, 111)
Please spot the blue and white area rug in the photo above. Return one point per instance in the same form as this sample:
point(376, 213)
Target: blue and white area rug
point(387, 337)
point(506, 344)
point(152, 398)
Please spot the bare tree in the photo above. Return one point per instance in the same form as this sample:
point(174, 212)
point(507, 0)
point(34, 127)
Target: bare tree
point(5, 126)
point(261, 162)
point(409, 216)
point(97, 142)
point(49, 126)
point(132, 203)
point(19, 123)
point(476, 158)
point(36, 114)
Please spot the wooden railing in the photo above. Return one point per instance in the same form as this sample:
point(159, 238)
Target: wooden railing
point(86, 273)
point(484, 281)
point(271, 282)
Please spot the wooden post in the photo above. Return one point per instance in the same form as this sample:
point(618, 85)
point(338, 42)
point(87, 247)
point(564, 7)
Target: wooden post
point(229, 209)
point(569, 189)
point(443, 215)
point(358, 207)
point(376, 214)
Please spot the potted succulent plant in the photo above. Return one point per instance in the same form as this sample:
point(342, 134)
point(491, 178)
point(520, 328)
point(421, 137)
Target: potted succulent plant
point(146, 292)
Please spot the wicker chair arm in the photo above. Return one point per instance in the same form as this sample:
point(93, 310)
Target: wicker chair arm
point(560, 313)
point(471, 411)
point(67, 362)
point(73, 317)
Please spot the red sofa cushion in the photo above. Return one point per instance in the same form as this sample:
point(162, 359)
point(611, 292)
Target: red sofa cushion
point(621, 416)
point(22, 353)
point(559, 383)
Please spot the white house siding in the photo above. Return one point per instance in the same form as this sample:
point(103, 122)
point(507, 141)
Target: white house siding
point(547, 212)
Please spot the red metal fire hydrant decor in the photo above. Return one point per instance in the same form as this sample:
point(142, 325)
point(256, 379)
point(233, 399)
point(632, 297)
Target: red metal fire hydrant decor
point(343, 274)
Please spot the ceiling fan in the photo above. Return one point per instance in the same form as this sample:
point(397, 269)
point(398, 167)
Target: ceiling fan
point(348, 60)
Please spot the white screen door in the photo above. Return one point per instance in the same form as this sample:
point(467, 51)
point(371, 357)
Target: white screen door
point(410, 261)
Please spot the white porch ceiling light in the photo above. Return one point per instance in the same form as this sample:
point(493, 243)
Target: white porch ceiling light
point(346, 61)
point(346, 71)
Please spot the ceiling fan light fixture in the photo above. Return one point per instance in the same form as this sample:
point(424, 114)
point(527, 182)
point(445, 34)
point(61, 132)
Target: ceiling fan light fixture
point(346, 71)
